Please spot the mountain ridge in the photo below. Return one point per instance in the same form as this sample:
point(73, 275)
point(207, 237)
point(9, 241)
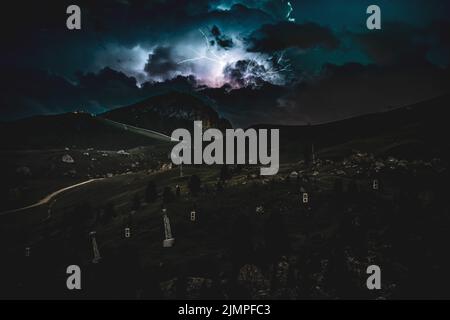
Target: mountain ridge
point(162, 113)
point(423, 122)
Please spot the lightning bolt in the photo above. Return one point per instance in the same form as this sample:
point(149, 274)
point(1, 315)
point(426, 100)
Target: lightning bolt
point(210, 55)
point(290, 9)
point(259, 66)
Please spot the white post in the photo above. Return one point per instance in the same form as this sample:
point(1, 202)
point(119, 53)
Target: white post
point(193, 217)
point(97, 256)
point(304, 194)
point(375, 184)
point(169, 240)
point(305, 197)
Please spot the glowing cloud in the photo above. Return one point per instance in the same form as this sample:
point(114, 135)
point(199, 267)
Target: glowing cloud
point(214, 66)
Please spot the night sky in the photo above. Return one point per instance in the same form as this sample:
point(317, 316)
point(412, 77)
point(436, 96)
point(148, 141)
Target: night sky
point(270, 61)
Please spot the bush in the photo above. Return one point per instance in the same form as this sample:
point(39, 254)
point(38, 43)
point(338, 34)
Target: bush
point(168, 195)
point(109, 213)
point(151, 194)
point(136, 202)
point(225, 173)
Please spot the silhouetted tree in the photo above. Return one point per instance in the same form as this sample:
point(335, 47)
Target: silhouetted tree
point(136, 202)
point(219, 186)
point(241, 242)
point(338, 186)
point(168, 195)
point(77, 222)
point(82, 214)
point(275, 235)
point(151, 193)
point(307, 154)
point(224, 173)
point(109, 212)
point(338, 199)
point(194, 184)
point(353, 187)
point(129, 220)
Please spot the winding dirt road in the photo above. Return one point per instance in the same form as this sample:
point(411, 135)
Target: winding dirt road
point(48, 198)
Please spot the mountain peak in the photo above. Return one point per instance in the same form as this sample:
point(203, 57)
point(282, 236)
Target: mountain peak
point(168, 111)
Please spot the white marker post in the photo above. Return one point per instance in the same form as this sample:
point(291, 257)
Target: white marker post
point(305, 197)
point(193, 216)
point(97, 256)
point(169, 241)
point(259, 210)
point(375, 184)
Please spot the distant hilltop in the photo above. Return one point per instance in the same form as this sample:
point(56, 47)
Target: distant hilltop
point(162, 113)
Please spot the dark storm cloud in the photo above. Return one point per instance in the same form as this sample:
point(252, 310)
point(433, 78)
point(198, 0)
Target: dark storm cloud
point(161, 62)
point(28, 92)
point(283, 35)
point(365, 72)
point(95, 81)
point(180, 83)
point(238, 17)
point(149, 21)
point(396, 44)
point(106, 24)
point(31, 91)
point(238, 75)
point(108, 88)
point(247, 105)
point(337, 92)
point(221, 40)
point(276, 8)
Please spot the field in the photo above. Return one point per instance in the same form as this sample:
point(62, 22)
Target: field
point(253, 237)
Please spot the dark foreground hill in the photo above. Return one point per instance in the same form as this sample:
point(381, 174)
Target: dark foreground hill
point(417, 131)
point(71, 130)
